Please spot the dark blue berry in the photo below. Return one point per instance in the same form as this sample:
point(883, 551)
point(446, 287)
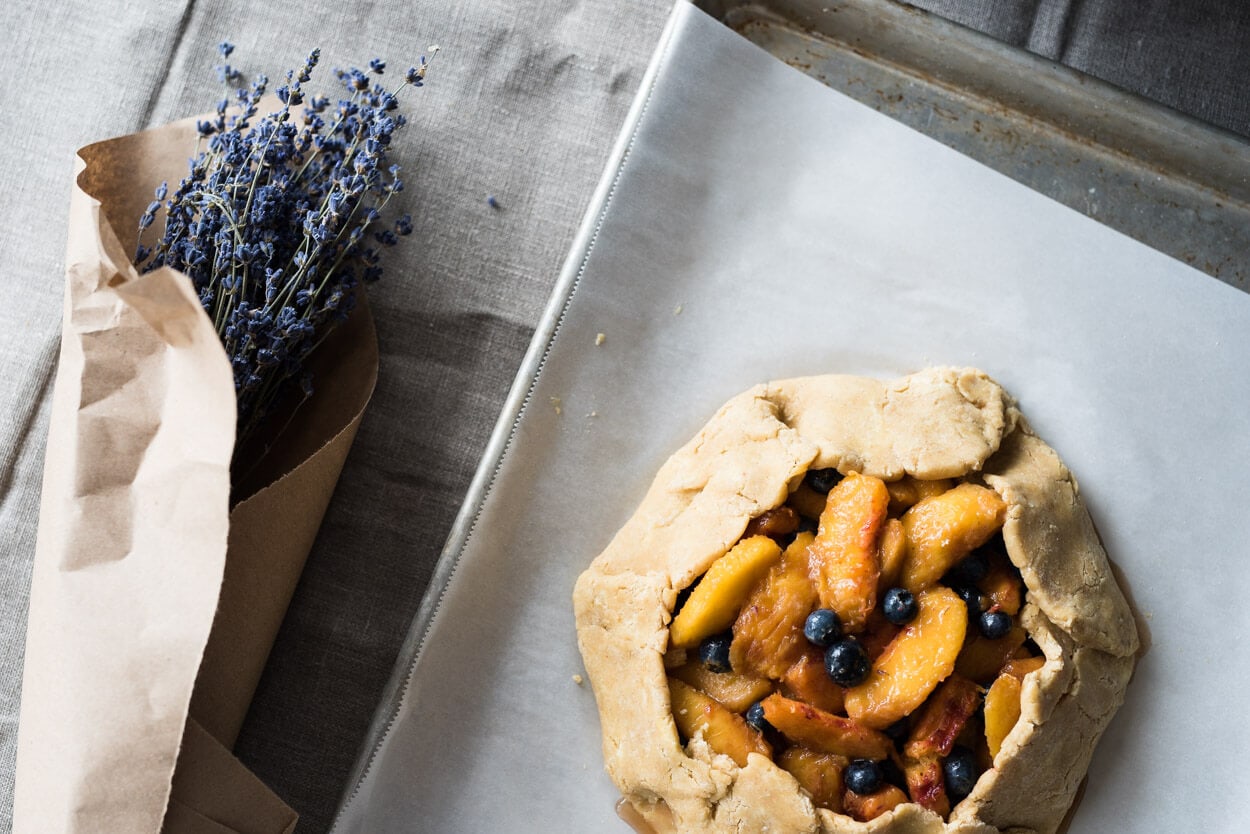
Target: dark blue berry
point(847, 662)
point(823, 480)
point(755, 718)
point(995, 624)
point(972, 598)
point(823, 627)
point(862, 776)
point(970, 570)
point(900, 606)
point(714, 651)
point(960, 770)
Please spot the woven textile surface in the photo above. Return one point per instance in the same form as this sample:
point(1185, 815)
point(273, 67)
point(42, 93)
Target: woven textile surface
point(522, 104)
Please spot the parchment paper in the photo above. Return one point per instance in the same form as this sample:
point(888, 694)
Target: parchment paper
point(137, 530)
point(755, 225)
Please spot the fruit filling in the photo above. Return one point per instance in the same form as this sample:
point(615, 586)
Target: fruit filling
point(865, 636)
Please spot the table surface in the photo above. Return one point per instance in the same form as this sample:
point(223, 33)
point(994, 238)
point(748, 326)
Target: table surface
point(522, 103)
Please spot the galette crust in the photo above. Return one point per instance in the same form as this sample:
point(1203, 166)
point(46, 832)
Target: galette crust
point(941, 422)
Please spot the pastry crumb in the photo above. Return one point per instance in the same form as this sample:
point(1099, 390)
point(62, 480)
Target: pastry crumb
point(677, 310)
point(593, 414)
point(578, 679)
point(557, 404)
point(600, 339)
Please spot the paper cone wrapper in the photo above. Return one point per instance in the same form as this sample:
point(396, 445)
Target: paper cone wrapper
point(153, 600)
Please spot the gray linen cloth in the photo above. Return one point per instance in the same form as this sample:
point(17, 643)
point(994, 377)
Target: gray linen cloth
point(522, 104)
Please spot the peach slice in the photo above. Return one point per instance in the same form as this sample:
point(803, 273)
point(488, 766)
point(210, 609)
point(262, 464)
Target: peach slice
point(1002, 711)
point(1003, 586)
point(806, 501)
point(982, 659)
point(820, 774)
point(818, 730)
point(945, 528)
point(715, 601)
point(734, 690)
point(844, 561)
point(1019, 667)
point(779, 521)
point(870, 806)
point(893, 551)
point(908, 491)
point(943, 718)
point(807, 681)
point(768, 634)
point(724, 731)
point(926, 783)
point(914, 663)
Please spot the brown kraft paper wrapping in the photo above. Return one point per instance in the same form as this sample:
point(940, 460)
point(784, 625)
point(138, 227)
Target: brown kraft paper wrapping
point(146, 585)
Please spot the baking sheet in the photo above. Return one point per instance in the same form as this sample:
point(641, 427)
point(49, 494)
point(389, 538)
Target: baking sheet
point(1176, 183)
point(755, 225)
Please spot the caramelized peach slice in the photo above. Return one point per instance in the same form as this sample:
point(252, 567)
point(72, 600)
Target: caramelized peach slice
point(1002, 585)
point(943, 718)
point(870, 806)
point(821, 731)
point(1019, 667)
point(735, 691)
point(926, 783)
point(820, 774)
point(844, 560)
point(779, 521)
point(768, 634)
point(908, 491)
point(916, 661)
point(807, 502)
point(715, 601)
point(982, 659)
point(724, 731)
point(807, 681)
point(1002, 711)
point(893, 551)
point(945, 528)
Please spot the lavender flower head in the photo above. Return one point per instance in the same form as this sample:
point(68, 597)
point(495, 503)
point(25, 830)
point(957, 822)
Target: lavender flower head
point(277, 221)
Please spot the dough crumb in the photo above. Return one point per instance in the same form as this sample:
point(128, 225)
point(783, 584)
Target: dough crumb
point(556, 403)
point(677, 310)
point(600, 339)
point(593, 414)
point(578, 679)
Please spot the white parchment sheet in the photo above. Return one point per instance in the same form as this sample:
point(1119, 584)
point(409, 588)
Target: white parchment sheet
point(760, 226)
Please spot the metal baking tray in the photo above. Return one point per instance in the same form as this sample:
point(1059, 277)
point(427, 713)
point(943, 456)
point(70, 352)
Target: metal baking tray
point(703, 291)
point(1170, 181)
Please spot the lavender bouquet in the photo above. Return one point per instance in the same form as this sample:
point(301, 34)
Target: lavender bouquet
point(162, 571)
point(280, 219)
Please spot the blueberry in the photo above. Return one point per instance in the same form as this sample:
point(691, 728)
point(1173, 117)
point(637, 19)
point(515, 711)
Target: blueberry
point(823, 480)
point(823, 627)
point(971, 597)
point(714, 651)
point(847, 662)
point(995, 624)
point(960, 770)
point(900, 606)
point(862, 776)
point(970, 570)
point(755, 718)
